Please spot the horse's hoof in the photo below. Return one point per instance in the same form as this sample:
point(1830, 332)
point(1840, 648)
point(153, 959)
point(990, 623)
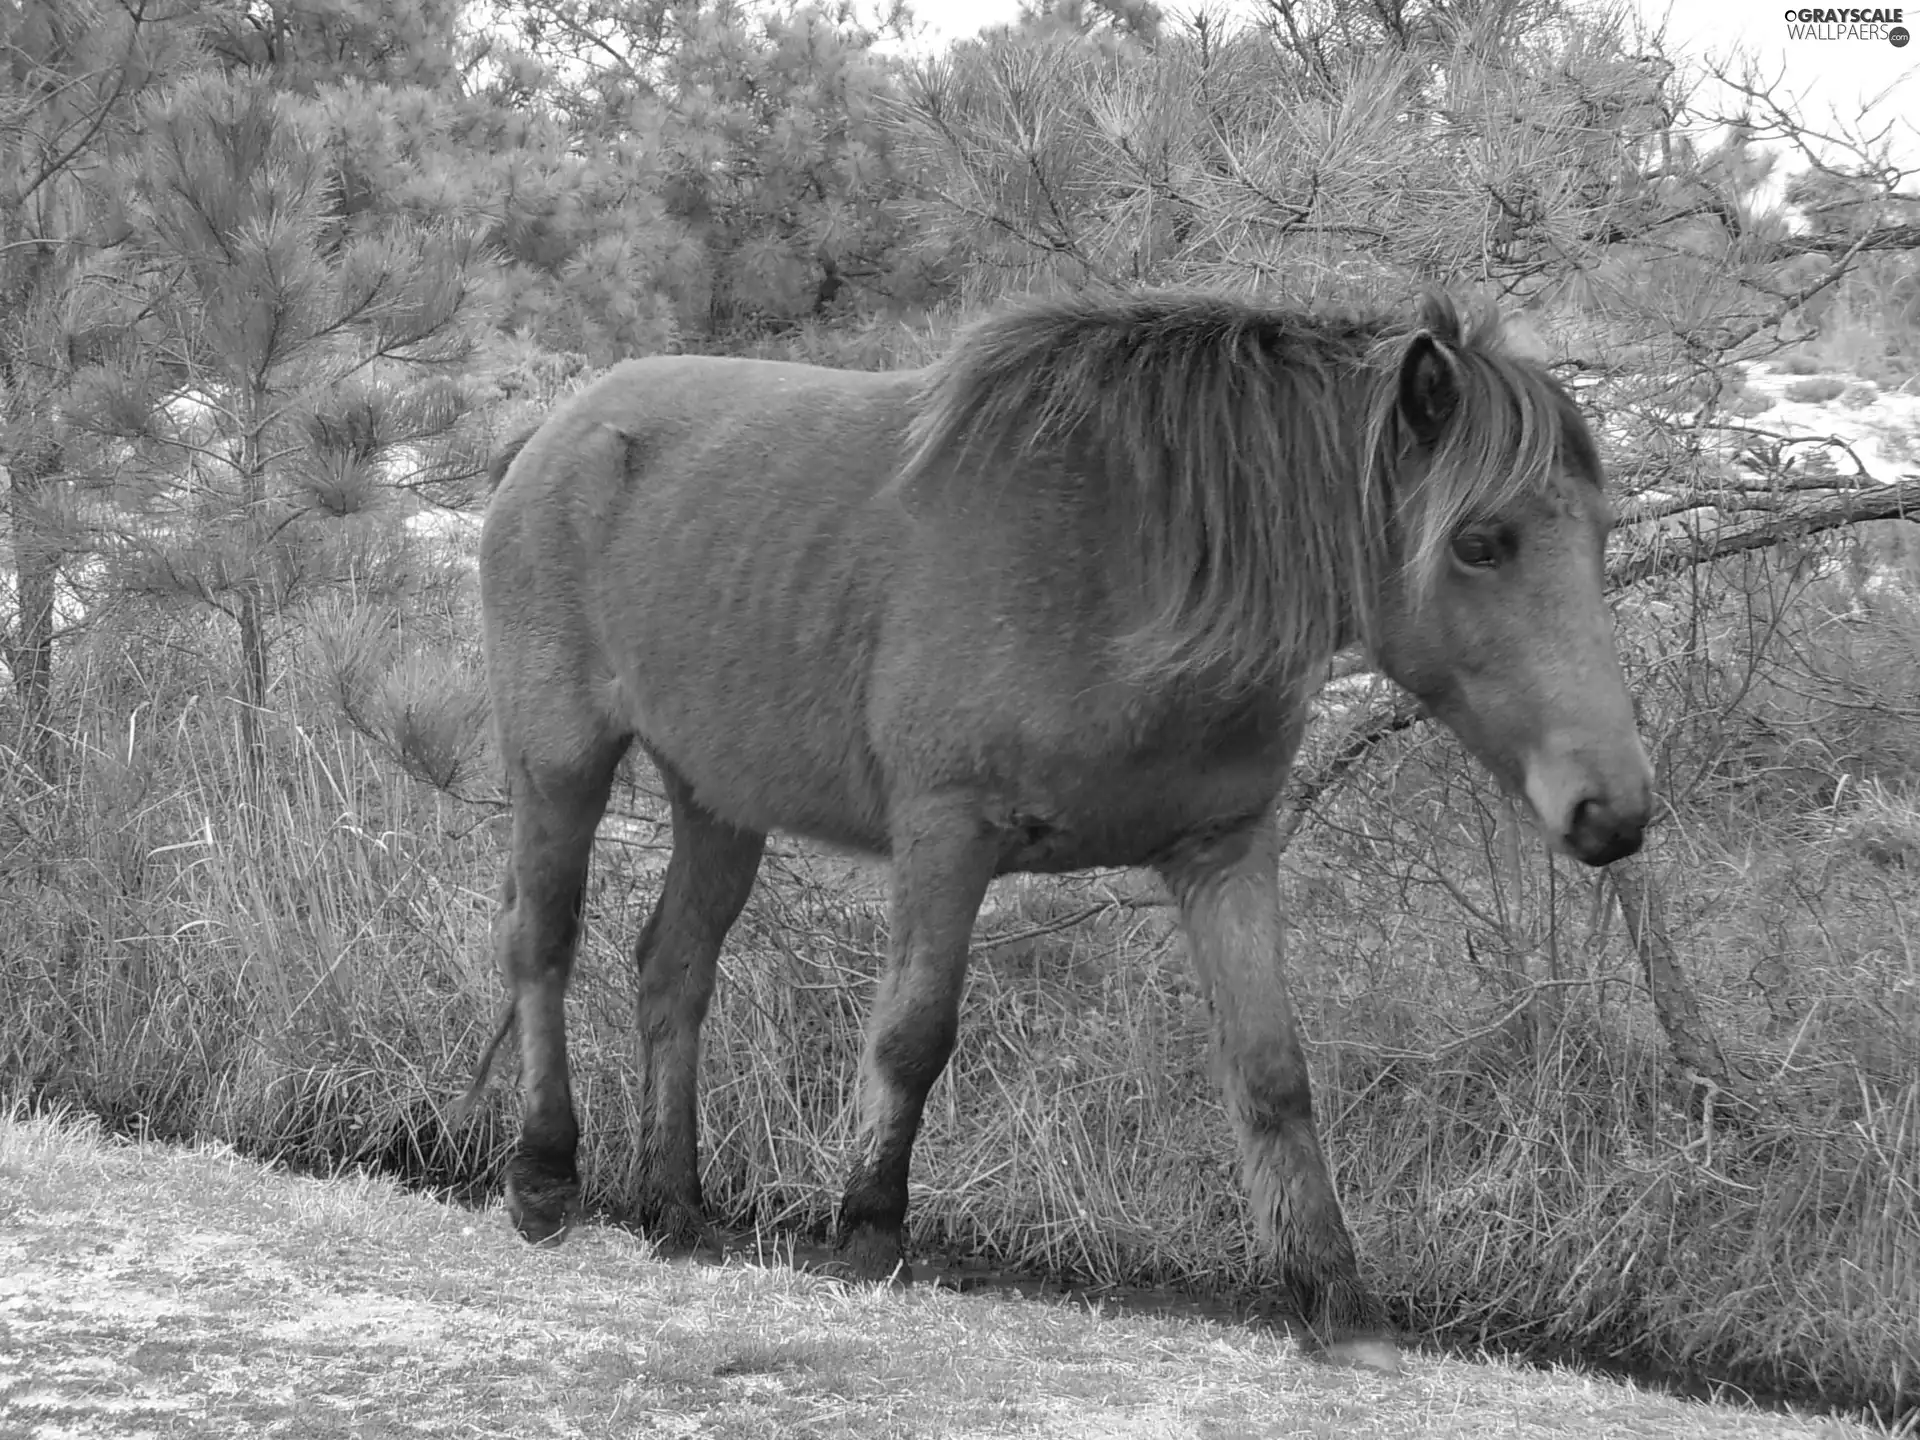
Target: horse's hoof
point(1370, 1352)
point(543, 1208)
point(679, 1227)
point(873, 1257)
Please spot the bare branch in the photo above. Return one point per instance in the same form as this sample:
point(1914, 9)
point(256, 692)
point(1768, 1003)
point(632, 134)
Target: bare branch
point(1791, 520)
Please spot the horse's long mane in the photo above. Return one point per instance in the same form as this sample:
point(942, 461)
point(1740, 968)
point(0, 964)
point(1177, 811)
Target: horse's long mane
point(1253, 455)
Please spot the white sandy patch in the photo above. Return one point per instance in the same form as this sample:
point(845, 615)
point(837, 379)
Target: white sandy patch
point(27, 1301)
point(364, 1318)
point(41, 1398)
point(1881, 427)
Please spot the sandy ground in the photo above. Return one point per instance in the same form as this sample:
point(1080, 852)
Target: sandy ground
point(152, 1291)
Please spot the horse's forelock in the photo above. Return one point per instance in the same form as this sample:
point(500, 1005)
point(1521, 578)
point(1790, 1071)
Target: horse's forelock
point(1512, 426)
point(1439, 317)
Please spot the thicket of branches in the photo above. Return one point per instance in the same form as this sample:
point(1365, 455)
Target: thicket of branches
point(275, 278)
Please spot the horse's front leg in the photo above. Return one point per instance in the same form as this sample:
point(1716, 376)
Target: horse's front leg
point(943, 859)
point(1227, 887)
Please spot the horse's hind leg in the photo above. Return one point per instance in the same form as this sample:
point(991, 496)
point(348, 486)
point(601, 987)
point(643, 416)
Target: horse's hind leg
point(943, 859)
point(708, 879)
point(1227, 887)
point(555, 809)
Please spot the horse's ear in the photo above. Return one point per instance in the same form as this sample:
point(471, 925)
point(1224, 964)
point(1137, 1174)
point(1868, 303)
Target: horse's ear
point(1429, 387)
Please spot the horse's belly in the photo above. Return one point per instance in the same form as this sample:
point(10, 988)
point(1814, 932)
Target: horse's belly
point(1136, 817)
point(765, 757)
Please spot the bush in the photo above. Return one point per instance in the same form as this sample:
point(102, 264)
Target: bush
point(1817, 391)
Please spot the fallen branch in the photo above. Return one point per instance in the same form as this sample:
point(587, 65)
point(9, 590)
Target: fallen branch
point(1306, 789)
point(1695, 1049)
point(1792, 520)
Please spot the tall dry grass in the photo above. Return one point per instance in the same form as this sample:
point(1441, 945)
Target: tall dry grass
point(290, 966)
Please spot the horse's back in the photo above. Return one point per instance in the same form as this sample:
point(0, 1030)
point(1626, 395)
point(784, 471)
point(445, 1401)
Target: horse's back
point(696, 551)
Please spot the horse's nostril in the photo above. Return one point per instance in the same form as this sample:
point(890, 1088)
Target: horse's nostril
point(1599, 833)
point(1582, 820)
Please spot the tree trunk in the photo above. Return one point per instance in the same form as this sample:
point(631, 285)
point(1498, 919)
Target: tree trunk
point(253, 683)
point(1695, 1049)
point(252, 614)
point(36, 567)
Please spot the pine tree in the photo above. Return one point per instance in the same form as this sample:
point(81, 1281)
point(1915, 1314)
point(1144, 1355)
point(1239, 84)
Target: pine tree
point(71, 77)
point(308, 45)
point(288, 375)
point(757, 137)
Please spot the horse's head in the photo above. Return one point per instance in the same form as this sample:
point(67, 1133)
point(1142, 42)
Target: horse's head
point(1495, 614)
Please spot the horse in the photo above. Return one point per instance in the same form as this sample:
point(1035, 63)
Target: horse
point(1059, 600)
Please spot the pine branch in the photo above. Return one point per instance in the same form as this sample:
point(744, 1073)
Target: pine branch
point(1878, 238)
point(55, 164)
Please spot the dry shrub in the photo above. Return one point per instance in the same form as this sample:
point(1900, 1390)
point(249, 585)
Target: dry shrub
point(1815, 391)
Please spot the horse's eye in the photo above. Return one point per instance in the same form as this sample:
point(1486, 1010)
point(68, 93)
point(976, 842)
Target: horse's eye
point(1476, 548)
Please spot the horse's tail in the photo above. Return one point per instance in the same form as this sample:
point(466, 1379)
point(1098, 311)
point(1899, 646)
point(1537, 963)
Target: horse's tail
point(463, 1107)
point(505, 456)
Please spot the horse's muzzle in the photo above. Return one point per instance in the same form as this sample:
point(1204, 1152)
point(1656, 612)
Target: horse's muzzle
point(1595, 809)
point(1601, 831)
